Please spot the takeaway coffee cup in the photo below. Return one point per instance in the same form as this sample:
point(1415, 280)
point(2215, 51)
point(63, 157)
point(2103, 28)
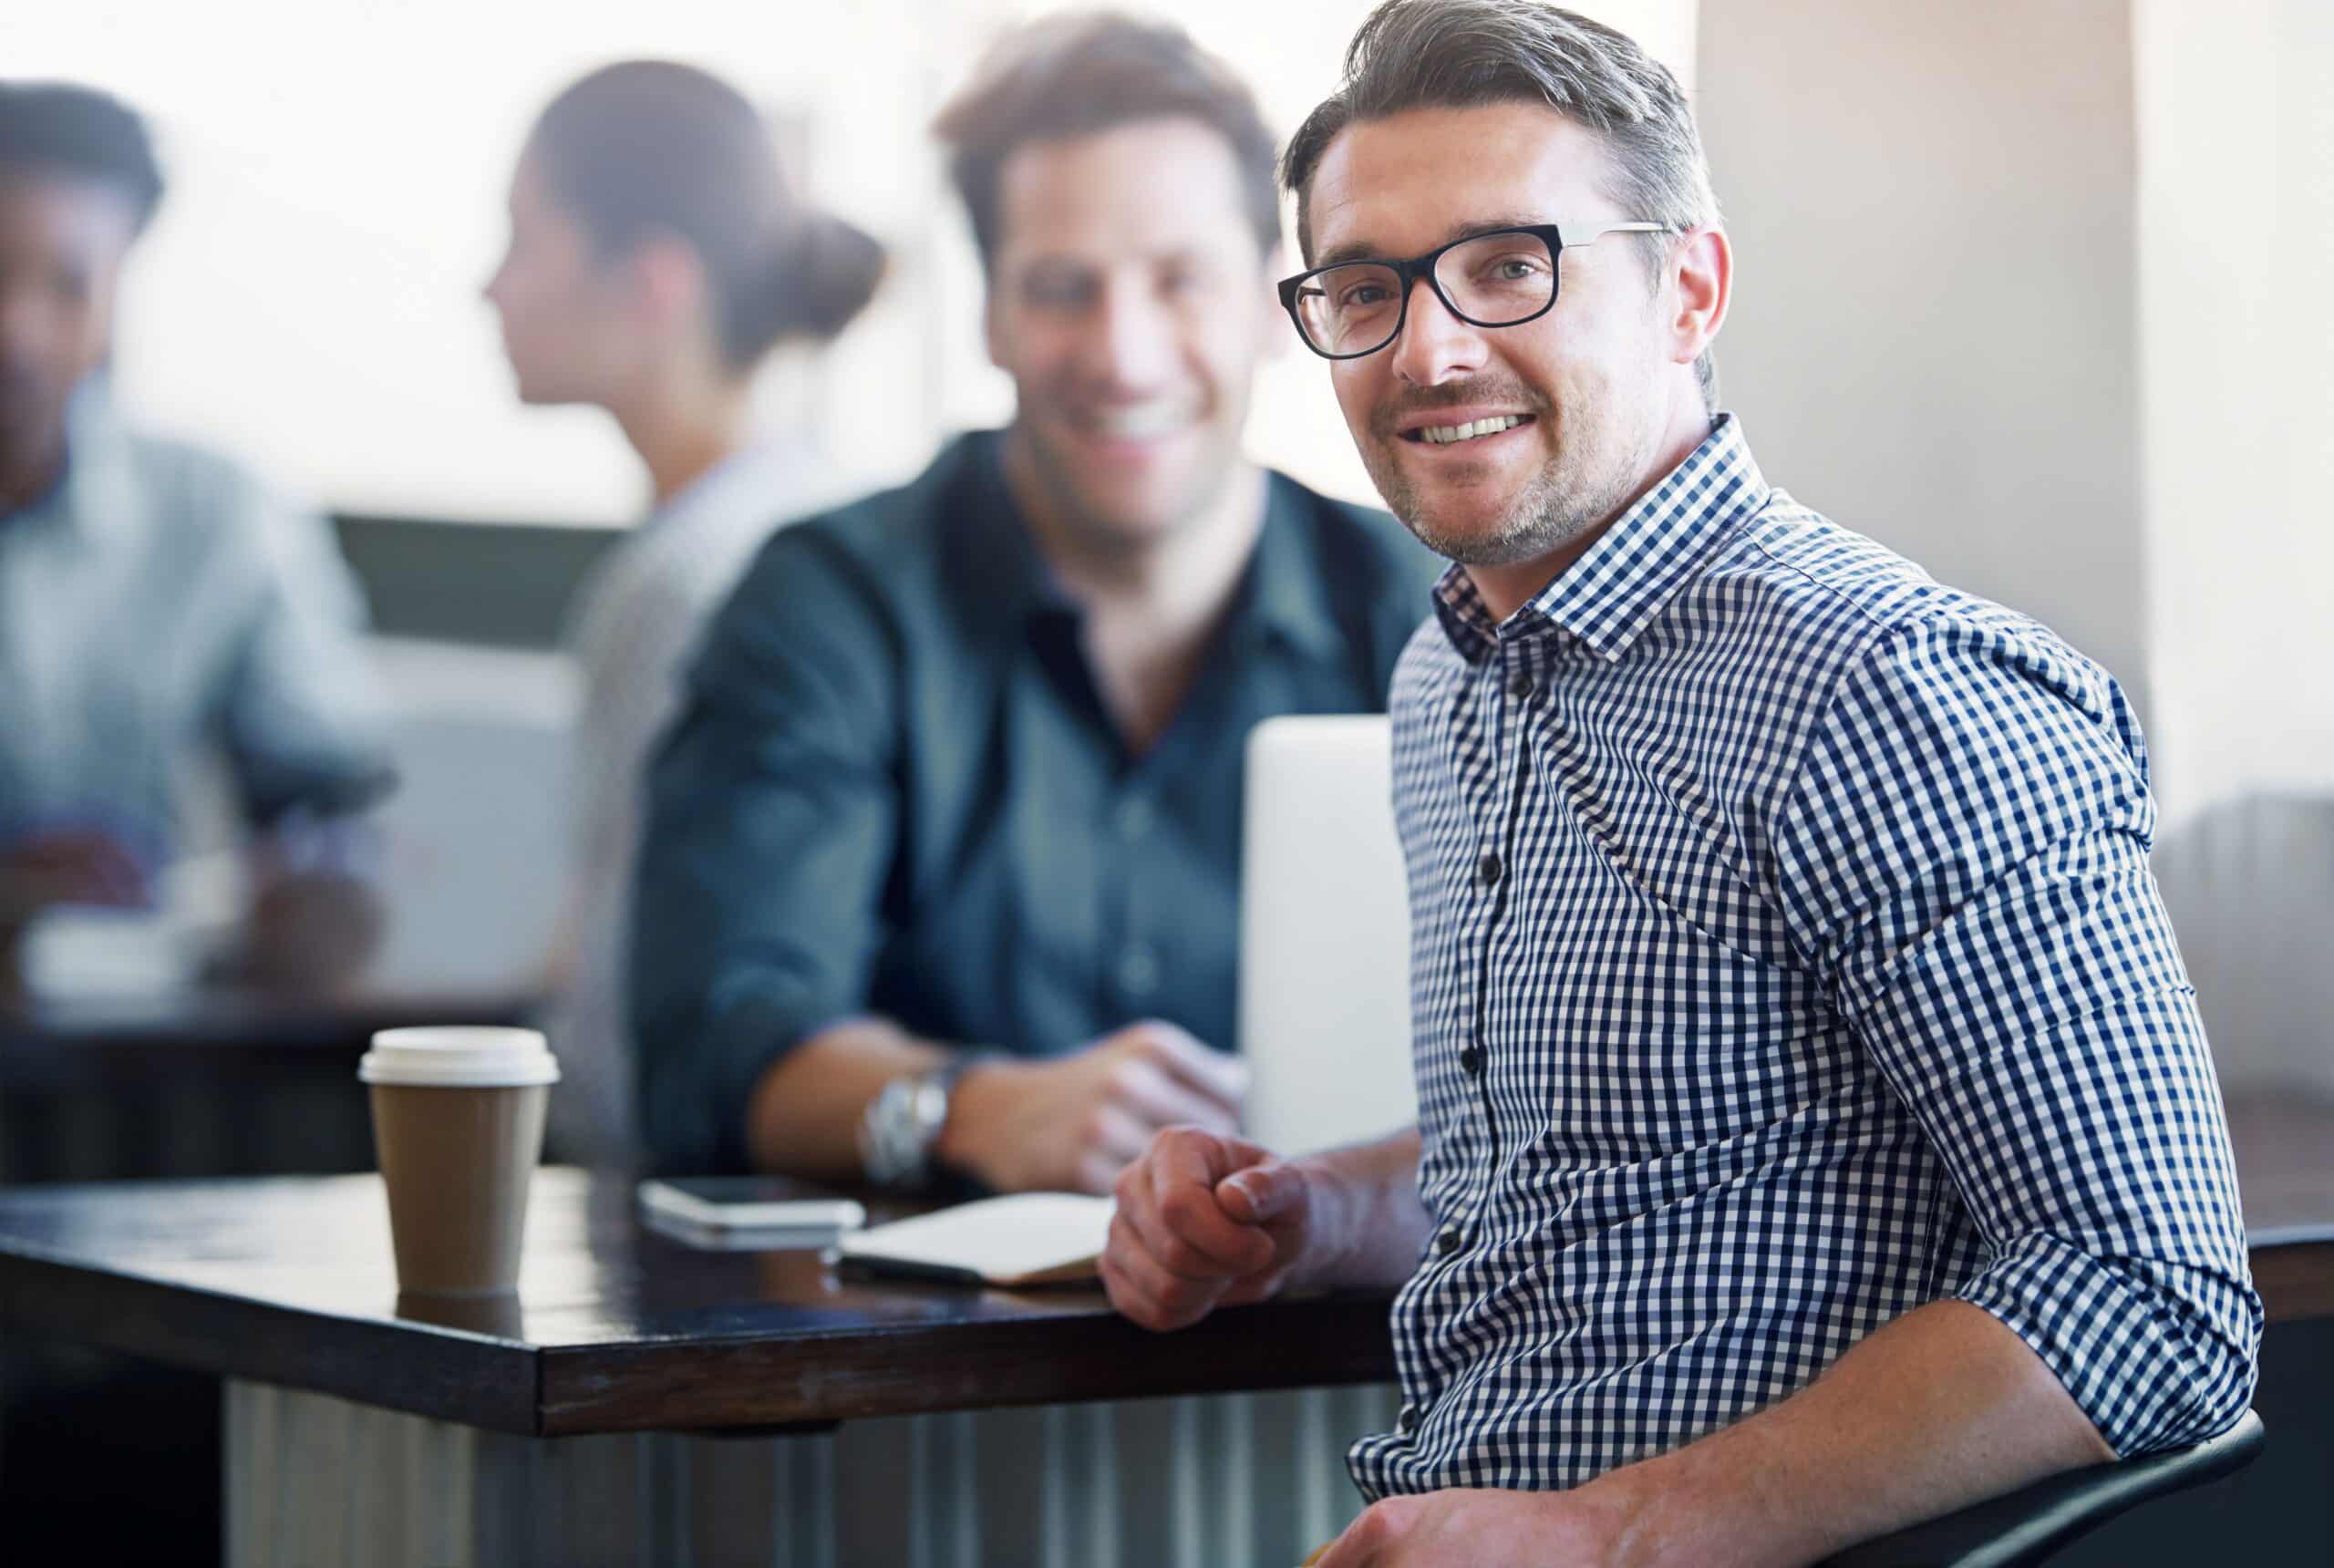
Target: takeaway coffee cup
point(457, 1125)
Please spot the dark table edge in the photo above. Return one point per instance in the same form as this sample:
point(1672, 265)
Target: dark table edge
point(926, 1369)
point(479, 1382)
point(796, 1380)
point(49, 1052)
point(2296, 1279)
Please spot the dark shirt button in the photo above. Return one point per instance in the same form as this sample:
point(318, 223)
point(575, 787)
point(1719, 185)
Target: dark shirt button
point(1449, 1239)
point(1409, 1419)
point(1489, 867)
point(1522, 686)
point(1471, 1061)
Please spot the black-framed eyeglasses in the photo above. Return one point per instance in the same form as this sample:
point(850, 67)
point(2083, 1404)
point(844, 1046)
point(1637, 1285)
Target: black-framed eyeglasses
point(1503, 277)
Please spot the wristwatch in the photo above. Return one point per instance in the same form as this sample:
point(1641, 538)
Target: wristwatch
point(903, 1123)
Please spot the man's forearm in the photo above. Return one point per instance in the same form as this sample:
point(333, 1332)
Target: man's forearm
point(804, 1120)
point(1936, 1410)
point(1379, 1226)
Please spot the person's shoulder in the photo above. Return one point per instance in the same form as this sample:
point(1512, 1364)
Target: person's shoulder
point(1808, 573)
point(188, 485)
point(1856, 616)
point(855, 577)
point(209, 521)
point(878, 541)
point(168, 459)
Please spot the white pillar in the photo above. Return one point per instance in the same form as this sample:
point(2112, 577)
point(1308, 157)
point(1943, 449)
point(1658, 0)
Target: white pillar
point(2043, 297)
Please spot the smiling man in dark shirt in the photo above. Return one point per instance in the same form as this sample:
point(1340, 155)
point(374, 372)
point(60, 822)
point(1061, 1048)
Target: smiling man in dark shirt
point(941, 873)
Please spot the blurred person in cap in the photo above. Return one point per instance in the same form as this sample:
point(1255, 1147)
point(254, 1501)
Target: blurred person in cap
point(940, 877)
point(658, 255)
point(1817, 1132)
point(158, 606)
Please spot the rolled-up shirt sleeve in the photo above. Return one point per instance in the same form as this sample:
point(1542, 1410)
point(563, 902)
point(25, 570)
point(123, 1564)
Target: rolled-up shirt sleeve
point(1963, 859)
point(772, 809)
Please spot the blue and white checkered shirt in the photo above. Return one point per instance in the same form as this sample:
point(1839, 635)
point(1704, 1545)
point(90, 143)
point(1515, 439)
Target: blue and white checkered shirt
point(1785, 957)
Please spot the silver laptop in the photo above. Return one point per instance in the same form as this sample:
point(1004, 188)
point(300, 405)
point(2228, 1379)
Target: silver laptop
point(1325, 953)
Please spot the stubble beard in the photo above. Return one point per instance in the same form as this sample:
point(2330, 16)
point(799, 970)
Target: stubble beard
point(1562, 503)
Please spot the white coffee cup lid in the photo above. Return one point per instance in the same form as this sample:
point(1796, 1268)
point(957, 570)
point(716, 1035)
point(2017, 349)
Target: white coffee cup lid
point(471, 1056)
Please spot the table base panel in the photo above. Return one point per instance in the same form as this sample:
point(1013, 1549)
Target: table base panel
point(1160, 1483)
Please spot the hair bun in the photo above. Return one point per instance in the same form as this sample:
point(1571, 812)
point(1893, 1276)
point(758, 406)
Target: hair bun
point(831, 273)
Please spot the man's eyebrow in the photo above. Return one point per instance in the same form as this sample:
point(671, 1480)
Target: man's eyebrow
point(1363, 250)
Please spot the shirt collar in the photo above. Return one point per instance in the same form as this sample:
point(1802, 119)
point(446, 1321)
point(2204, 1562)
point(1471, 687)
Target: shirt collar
point(758, 476)
point(1287, 590)
point(96, 493)
point(1284, 592)
point(1620, 585)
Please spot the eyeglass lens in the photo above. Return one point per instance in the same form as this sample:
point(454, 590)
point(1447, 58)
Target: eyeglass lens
point(1493, 280)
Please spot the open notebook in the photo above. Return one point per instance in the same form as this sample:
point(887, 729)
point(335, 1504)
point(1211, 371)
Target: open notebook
point(1031, 1238)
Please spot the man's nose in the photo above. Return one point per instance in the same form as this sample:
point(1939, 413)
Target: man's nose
point(1130, 337)
point(1435, 346)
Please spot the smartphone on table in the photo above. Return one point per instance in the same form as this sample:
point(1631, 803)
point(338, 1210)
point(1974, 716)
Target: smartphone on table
point(747, 1212)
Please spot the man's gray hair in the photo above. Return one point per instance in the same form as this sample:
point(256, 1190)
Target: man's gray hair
point(1469, 54)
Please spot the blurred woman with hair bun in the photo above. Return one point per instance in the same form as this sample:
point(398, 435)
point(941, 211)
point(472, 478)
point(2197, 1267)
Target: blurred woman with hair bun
point(658, 255)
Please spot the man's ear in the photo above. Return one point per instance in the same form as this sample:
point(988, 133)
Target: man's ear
point(667, 280)
point(1701, 275)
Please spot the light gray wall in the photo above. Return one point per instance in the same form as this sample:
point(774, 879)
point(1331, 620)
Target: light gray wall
point(1933, 209)
point(2035, 292)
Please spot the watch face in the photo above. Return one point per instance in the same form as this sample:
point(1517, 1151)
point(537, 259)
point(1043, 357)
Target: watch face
point(894, 1144)
point(931, 1107)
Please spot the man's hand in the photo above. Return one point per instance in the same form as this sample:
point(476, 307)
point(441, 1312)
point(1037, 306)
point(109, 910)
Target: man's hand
point(309, 933)
point(1073, 1124)
point(1483, 1529)
point(81, 866)
point(1204, 1222)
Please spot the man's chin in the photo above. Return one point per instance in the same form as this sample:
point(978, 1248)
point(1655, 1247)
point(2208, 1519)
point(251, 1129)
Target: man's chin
point(1135, 514)
point(1458, 527)
point(1486, 546)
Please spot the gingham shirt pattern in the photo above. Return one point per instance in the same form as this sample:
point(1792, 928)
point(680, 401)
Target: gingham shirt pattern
point(1785, 957)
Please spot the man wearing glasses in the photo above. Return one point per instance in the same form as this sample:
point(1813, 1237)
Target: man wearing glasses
point(1817, 1132)
point(940, 877)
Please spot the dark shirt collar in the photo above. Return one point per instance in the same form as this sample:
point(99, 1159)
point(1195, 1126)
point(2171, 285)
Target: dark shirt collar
point(1284, 594)
point(1621, 584)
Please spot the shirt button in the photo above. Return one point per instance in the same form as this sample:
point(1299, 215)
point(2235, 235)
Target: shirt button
point(1489, 867)
point(1134, 818)
point(1139, 971)
point(1471, 1061)
point(1449, 1239)
point(1522, 686)
point(1408, 1421)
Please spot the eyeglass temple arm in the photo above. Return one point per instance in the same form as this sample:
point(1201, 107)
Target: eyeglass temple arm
point(1597, 235)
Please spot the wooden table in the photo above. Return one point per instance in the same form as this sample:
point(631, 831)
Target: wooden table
point(681, 1401)
point(585, 1419)
point(617, 1329)
point(224, 1079)
point(222, 1032)
point(2285, 1166)
point(201, 1082)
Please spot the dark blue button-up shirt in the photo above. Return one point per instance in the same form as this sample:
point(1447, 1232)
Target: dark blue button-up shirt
point(895, 789)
